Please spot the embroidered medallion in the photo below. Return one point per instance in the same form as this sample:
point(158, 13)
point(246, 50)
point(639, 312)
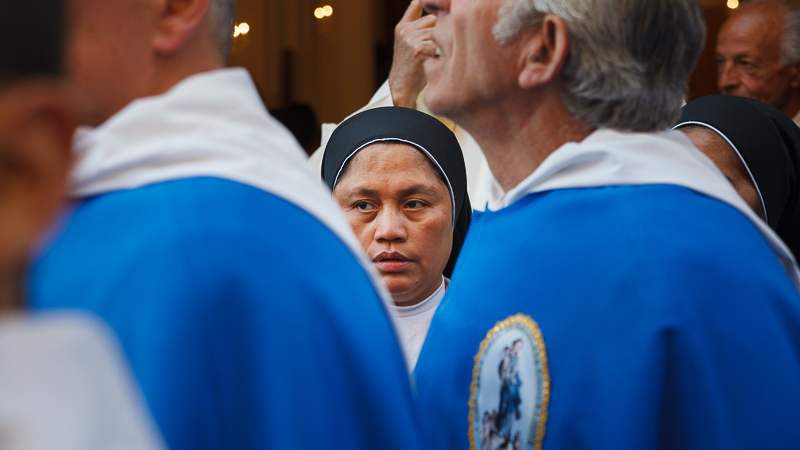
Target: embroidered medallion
point(510, 389)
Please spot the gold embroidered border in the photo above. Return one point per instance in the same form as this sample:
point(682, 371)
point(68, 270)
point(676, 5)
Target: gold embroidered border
point(536, 333)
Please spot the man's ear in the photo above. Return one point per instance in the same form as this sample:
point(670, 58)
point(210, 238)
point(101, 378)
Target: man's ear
point(36, 127)
point(545, 52)
point(179, 21)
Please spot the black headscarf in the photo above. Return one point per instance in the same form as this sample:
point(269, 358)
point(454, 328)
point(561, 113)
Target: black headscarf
point(408, 126)
point(769, 144)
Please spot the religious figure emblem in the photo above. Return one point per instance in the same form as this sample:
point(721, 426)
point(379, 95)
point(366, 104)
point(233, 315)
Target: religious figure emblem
point(510, 388)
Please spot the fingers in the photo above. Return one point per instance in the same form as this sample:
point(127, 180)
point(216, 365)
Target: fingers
point(414, 40)
point(425, 48)
point(413, 12)
point(423, 24)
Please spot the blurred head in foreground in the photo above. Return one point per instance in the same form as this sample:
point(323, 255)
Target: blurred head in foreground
point(36, 126)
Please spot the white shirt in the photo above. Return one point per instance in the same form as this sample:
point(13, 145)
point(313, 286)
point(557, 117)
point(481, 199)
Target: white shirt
point(64, 385)
point(413, 323)
point(479, 177)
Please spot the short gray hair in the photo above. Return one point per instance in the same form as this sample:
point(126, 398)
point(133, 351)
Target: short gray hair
point(790, 50)
point(222, 17)
point(629, 60)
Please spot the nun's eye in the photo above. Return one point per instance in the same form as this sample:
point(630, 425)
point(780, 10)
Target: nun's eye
point(364, 206)
point(415, 204)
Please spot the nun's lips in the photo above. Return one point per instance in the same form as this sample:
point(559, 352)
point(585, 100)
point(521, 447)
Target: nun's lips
point(391, 262)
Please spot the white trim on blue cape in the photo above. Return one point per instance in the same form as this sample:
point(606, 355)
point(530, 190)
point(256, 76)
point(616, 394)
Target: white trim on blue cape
point(212, 124)
point(613, 158)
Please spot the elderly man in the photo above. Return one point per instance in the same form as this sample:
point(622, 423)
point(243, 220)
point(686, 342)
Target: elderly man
point(758, 53)
point(202, 237)
point(619, 294)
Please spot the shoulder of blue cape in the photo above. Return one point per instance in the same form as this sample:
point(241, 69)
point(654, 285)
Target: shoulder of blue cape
point(658, 227)
point(233, 304)
point(620, 280)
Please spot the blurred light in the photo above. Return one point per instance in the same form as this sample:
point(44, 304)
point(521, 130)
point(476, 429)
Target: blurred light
point(244, 28)
point(328, 10)
point(236, 31)
point(319, 13)
point(733, 4)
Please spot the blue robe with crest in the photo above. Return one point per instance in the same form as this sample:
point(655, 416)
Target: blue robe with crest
point(667, 320)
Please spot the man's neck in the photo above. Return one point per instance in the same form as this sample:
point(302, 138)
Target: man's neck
point(516, 141)
point(160, 76)
point(176, 68)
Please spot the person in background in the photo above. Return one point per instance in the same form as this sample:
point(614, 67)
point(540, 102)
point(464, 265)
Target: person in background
point(400, 179)
point(646, 295)
point(194, 224)
point(412, 45)
point(63, 381)
point(758, 54)
point(301, 121)
point(757, 148)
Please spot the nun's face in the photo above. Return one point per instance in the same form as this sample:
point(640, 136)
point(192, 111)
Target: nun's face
point(727, 161)
point(401, 213)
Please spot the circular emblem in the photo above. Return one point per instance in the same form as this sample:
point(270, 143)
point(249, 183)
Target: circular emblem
point(510, 389)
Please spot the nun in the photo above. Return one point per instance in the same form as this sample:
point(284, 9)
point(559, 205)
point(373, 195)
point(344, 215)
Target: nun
point(399, 177)
point(757, 148)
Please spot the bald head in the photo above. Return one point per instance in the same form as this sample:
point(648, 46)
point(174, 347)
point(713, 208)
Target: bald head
point(758, 54)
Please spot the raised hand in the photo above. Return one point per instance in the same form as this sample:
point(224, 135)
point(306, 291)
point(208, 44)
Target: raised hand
point(412, 45)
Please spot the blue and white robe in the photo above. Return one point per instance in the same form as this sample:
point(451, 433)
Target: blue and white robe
point(652, 309)
point(236, 288)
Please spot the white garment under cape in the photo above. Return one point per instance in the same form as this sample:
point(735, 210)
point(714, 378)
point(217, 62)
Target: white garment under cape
point(211, 124)
point(414, 321)
point(65, 385)
point(613, 158)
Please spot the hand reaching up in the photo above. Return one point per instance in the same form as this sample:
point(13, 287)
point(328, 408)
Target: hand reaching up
point(412, 45)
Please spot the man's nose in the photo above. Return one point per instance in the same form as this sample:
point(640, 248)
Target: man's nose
point(390, 226)
point(727, 77)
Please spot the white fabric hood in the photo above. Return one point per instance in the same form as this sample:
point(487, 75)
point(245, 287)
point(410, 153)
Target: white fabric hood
point(608, 158)
point(211, 124)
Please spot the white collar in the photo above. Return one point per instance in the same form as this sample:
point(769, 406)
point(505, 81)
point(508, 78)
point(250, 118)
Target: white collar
point(608, 157)
point(210, 124)
point(429, 303)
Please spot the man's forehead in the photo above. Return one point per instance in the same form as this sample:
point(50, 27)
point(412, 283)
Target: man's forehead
point(746, 33)
point(760, 22)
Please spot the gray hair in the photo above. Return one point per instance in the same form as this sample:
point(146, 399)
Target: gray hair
point(629, 60)
point(790, 47)
point(222, 15)
point(790, 50)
